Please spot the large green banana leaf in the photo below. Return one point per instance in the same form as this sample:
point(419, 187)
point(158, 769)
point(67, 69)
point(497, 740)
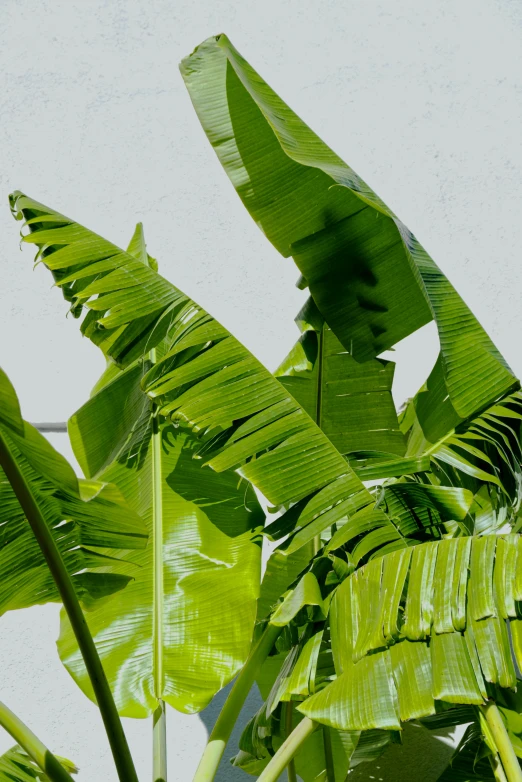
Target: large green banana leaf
point(17, 766)
point(420, 625)
point(90, 520)
point(206, 380)
point(202, 548)
point(184, 627)
point(368, 275)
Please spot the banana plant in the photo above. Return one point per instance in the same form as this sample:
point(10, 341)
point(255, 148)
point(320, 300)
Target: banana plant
point(381, 603)
point(198, 361)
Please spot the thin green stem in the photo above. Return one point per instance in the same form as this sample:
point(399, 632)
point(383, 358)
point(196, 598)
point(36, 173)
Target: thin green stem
point(159, 734)
point(157, 527)
point(319, 405)
point(289, 710)
point(287, 750)
point(159, 741)
point(220, 735)
point(328, 754)
point(500, 736)
point(44, 758)
point(42, 533)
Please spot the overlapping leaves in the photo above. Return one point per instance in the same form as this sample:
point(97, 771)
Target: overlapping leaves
point(90, 520)
point(204, 380)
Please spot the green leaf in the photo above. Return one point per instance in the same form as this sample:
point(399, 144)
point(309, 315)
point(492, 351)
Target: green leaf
point(468, 764)
point(262, 737)
point(307, 592)
point(204, 379)
point(370, 278)
point(91, 522)
point(206, 552)
point(382, 616)
point(17, 766)
point(281, 571)
point(351, 402)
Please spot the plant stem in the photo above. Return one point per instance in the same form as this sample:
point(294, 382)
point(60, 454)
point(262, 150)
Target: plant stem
point(221, 731)
point(319, 405)
point(291, 772)
point(62, 579)
point(498, 771)
point(287, 750)
point(23, 736)
point(159, 761)
point(500, 735)
point(159, 740)
point(328, 754)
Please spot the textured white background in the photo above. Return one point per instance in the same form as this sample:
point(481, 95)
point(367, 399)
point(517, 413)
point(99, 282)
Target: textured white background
point(423, 99)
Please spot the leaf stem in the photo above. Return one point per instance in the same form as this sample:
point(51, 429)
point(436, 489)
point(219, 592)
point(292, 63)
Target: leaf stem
point(42, 533)
point(159, 731)
point(287, 750)
point(500, 735)
point(290, 770)
point(319, 404)
point(157, 527)
point(23, 736)
point(159, 741)
point(328, 754)
point(221, 731)
point(496, 766)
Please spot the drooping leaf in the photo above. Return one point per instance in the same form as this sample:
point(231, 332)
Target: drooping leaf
point(458, 595)
point(483, 455)
point(370, 278)
point(90, 522)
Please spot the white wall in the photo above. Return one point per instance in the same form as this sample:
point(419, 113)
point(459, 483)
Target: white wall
point(423, 99)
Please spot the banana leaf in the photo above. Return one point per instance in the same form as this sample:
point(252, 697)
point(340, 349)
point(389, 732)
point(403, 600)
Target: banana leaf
point(421, 625)
point(205, 380)
point(370, 278)
point(17, 766)
point(184, 627)
point(93, 526)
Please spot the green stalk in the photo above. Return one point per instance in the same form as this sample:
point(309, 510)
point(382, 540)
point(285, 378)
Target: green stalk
point(23, 736)
point(159, 730)
point(319, 407)
point(159, 741)
point(496, 766)
point(328, 754)
point(221, 731)
point(291, 772)
point(287, 750)
point(500, 735)
point(62, 579)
